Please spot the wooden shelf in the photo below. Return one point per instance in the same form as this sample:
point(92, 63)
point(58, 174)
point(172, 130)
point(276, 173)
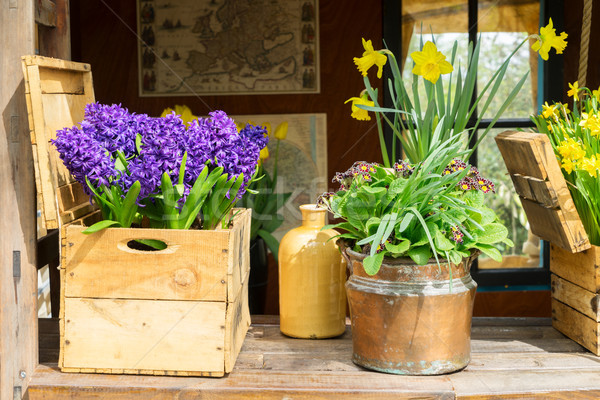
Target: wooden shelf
point(512, 358)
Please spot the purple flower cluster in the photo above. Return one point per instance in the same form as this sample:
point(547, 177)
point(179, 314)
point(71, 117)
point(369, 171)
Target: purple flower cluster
point(359, 169)
point(92, 150)
point(473, 180)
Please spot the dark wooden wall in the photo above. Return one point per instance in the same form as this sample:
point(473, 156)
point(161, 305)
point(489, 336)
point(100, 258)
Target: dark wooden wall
point(103, 34)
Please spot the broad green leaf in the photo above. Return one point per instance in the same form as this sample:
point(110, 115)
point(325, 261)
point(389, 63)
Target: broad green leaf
point(155, 244)
point(420, 254)
point(490, 251)
point(442, 243)
point(98, 226)
point(372, 264)
point(399, 248)
point(493, 233)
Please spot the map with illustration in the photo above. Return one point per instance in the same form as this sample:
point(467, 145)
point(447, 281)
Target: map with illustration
point(219, 47)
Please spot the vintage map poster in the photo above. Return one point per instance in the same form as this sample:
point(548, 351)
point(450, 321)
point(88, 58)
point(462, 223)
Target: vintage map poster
point(227, 47)
point(302, 160)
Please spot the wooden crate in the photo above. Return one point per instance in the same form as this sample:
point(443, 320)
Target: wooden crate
point(574, 263)
point(178, 311)
point(576, 295)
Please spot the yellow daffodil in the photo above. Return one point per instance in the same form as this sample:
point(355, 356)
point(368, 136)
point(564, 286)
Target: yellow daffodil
point(596, 93)
point(281, 130)
point(369, 58)
point(548, 39)
point(573, 89)
point(568, 165)
point(430, 63)
point(571, 150)
point(359, 113)
point(264, 153)
point(591, 165)
point(591, 122)
point(548, 111)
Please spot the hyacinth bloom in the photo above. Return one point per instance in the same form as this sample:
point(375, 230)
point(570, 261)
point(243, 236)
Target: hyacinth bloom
point(547, 40)
point(430, 63)
point(116, 148)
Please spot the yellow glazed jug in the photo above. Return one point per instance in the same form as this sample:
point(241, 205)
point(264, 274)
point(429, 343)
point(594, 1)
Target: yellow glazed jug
point(312, 275)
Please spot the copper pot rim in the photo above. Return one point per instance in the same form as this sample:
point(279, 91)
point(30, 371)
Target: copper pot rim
point(391, 261)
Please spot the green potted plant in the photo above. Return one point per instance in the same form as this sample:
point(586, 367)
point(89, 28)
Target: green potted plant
point(166, 269)
point(411, 227)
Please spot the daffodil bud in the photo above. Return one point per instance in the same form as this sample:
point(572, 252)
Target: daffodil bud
point(281, 130)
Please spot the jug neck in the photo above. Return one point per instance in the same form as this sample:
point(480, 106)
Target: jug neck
point(313, 216)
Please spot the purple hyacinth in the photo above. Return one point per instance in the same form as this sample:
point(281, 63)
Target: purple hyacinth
point(91, 151)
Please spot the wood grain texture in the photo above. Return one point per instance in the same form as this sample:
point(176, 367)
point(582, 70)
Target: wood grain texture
point(18, 272)
point(582, 269)
point(511, 359)
point(576, 297)
point(538, 180)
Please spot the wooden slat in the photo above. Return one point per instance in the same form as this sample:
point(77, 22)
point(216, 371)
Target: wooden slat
point(159, 335)
point(581, 328)
point(189, 269)
point(538, 179)
point(45, 13)
point(582, 269)
point(576, 297)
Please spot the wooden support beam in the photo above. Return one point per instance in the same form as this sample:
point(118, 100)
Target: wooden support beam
point(18, 272)
point(45, 13)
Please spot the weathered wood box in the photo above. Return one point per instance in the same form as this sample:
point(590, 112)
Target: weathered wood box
point(574, 263)
point(178, 311)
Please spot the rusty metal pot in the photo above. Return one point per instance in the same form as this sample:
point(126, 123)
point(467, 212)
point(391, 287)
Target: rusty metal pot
point(411, 319)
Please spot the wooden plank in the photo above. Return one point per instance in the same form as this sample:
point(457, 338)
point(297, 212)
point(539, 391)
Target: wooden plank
point(576, 326)
point(237, 322)
point(160, 335)
point(582, 269)
point(45, 13)
point(550, 224)
point(61, 81)
point(18, 272)
point(71, 195)
point(576, 297)
point(538, 179)
point(192, 267)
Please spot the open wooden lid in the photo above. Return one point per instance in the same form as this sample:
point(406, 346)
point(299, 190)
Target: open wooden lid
point(57, 92)
point(538, 180)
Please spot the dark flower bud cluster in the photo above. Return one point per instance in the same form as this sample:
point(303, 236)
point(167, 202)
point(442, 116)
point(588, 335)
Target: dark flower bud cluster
point(359, 169)
point(473, 180)
point(457, 235)
point(404, 169)
point(323, 200)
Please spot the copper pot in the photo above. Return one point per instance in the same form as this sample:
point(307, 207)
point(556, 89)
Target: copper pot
point(411, 319)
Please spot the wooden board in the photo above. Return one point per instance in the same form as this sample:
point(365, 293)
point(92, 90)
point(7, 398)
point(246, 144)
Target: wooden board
point(512, 358)
point(582, 269)
point(538, 180)
point(577, 326)
point(57, 92)
point(576, 297)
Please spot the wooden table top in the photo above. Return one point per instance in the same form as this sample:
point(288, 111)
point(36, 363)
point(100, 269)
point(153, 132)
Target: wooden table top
point(512, 358)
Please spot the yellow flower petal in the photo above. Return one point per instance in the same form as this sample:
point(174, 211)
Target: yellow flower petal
point(548, 40)
point(573, 89)
point(281, 130)
point(264, 153)
point(430, 63)
point(369, 58)
point(359, 113)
